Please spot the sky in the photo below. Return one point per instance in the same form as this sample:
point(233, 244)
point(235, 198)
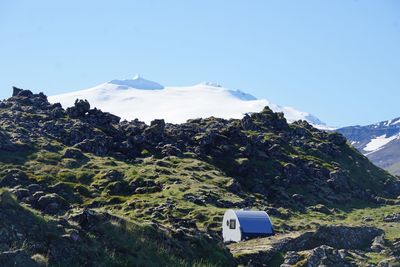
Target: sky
point(339, 60)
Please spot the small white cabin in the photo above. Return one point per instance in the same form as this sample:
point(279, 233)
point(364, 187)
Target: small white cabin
point(240, 225)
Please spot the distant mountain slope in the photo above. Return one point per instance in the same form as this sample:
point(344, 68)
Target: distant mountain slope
point(380, 142)
point(147, 100)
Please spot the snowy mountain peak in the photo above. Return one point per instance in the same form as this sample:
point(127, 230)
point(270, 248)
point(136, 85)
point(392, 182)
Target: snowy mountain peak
point(138, 83)
point(144, 99)
point(211, 84)
point(380, 142)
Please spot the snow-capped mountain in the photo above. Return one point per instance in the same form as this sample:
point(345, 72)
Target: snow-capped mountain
point(148, 100)
point(380, 142)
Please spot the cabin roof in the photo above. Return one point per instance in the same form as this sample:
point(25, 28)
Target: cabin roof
point(254, 221)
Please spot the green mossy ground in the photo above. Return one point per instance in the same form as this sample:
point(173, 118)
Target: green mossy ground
point(190, 186)
point(179, 176)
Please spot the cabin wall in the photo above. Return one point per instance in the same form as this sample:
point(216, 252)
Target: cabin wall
point(231, 235)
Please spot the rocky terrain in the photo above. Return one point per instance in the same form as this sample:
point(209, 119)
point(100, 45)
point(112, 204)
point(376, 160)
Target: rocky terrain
point(80, 187)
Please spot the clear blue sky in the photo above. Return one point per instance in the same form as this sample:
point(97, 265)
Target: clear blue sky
point(339, 60)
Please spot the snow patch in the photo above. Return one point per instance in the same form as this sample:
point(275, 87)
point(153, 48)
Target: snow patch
point(378, 142)
point(395, 122)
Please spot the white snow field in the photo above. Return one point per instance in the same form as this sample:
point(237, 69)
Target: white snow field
point(148, 100)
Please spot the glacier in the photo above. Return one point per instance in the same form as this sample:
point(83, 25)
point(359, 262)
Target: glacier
point(148, 100)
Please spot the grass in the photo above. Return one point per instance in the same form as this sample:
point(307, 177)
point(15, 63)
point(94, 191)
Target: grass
point(118, 242)
point(132, 241)
point(352, 214)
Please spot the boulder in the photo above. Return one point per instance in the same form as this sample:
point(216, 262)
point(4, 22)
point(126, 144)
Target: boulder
point(248, 124)
point(327, 256)
point(117, 188)
point(99, 145)
point(291, 258)
point(147, 190)
point(140, 182)
point(194, 199)
point(339, 237)
point(16, 91)
point(73, 153)
point(64, 190)
point(80, 108)
point(392, 218)
point(155, 132)
point(395, 248)
point(14, 177)
point(170, 150)
point(98, 117)
point(89, 219)
point(33, 188)
point(52, 204)
point(378, 243)
point(21, 193)
point(57, 112)
point(321, 208)
point(337, 138)
point(113, 175)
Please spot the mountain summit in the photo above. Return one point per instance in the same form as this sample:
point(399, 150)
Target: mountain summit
point(148, 100)
point(138, 83)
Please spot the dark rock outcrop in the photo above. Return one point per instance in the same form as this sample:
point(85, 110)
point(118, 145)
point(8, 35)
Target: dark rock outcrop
point(73, 153)
point(327, 256)
point(52, 204)
point(80, 108)
point(340, 237)
point(13, 177)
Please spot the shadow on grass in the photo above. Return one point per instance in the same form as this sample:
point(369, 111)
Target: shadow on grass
point(135, 245)
point(18, 157)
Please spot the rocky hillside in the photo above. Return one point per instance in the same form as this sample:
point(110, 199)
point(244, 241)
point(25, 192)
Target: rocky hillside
point(80, 187)
point(380, 142)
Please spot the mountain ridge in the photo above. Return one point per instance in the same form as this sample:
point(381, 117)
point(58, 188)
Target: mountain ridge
point(380, 142)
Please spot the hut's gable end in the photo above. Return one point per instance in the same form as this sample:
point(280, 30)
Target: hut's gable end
point(231, 227)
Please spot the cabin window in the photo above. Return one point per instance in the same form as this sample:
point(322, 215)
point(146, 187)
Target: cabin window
point(227, 223)
point(232, 224)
